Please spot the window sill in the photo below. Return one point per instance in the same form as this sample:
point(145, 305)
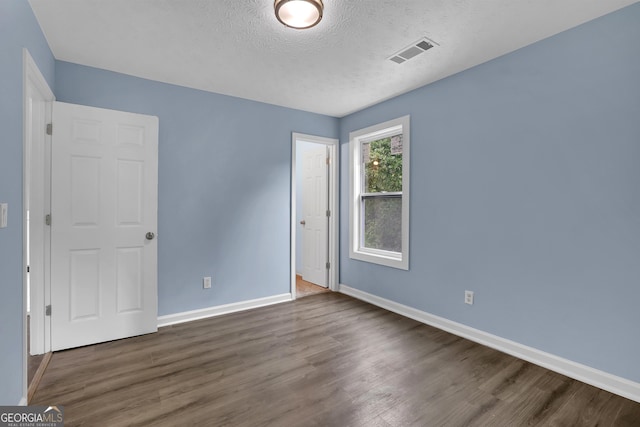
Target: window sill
point(388, 259)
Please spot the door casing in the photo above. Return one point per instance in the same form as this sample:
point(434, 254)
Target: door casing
point(35, 87)
point(334, 166)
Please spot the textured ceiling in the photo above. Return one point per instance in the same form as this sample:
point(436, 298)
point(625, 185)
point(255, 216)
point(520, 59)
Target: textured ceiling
point(238, 47)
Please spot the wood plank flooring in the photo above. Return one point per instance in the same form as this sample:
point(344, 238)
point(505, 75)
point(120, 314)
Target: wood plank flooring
point(304, 288)
point(324, 360)
point(33, 362)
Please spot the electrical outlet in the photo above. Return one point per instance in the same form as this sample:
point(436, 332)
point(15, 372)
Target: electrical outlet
point(4, 210)
point(206, 283)
point(468, 297)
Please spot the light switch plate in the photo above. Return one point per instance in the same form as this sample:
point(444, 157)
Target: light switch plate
point(4, 212)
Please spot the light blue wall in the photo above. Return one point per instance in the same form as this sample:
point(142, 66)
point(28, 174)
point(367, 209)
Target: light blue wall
point(224, 184)
point(18, 29)
point(525, 179)
point(525, 189)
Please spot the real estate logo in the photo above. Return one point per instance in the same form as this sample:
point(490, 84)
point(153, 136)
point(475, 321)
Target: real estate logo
point(31, 416)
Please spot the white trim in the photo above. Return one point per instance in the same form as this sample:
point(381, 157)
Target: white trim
point(356, 138)
point(32, 71)
point(33, 85)
point(334, 219)
point(597, 378)
point(219, 310)
point(37, 112)
point(23, 401)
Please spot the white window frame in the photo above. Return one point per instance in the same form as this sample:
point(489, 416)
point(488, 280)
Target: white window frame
point(356, 139)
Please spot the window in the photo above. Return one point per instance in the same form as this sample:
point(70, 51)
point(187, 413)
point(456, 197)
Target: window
point(379, 211)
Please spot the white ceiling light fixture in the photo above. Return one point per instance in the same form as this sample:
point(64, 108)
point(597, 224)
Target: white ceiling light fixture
point(299, 14)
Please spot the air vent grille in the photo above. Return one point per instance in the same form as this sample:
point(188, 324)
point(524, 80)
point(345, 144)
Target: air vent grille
point(413, 50)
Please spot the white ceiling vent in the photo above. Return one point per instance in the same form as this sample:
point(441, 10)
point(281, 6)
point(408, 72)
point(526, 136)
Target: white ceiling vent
point(414, 49)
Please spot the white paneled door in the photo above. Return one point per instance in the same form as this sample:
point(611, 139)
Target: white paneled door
point(315, 204)
point(104, 194)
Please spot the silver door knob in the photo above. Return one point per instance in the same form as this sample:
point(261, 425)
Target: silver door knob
point(303, 222)
point(150, 236)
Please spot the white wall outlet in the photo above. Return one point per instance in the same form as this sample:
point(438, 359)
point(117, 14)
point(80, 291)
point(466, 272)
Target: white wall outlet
point(468, 297)
point(4, 212)
point(206, 283)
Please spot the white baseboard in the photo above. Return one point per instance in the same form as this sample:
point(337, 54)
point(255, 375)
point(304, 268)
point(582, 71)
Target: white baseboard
point(188, 316)
point(23, 401)
point(612, 383)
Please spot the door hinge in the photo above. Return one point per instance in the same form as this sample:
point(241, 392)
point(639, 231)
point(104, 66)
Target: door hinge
point(47, 219)
point(328, 160)
point(49, 128)
point(328, 212)
point(328, 265)
point(28, 269)
point(47, 310)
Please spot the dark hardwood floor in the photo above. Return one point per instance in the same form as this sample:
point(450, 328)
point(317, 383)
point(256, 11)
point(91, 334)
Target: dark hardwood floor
point(36, 365)
point(33, 362)
point(324, 360)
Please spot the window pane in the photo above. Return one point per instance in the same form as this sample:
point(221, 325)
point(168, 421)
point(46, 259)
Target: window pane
point(383, 223)
point(382, 165)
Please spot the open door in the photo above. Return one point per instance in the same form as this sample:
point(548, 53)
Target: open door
point(315, 207)
point(104, 192)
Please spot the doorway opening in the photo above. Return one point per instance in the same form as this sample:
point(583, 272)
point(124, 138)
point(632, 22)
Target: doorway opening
point(314, 215)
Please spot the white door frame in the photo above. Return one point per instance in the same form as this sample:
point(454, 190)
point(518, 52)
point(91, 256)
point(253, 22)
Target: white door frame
point(35, 85)
point(334, 228)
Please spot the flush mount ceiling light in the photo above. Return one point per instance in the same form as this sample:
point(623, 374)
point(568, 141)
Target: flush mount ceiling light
point(299, 14)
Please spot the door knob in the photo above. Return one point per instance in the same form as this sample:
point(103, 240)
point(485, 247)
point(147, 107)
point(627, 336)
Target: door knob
point(303, 222)
point(150, 236)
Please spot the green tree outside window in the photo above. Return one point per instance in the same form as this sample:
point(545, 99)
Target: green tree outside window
point(382, 214)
